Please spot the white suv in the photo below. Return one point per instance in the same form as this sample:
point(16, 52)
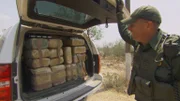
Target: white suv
point(23, 19)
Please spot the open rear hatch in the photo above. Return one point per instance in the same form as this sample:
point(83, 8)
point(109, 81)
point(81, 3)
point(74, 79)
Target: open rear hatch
point(74, 14)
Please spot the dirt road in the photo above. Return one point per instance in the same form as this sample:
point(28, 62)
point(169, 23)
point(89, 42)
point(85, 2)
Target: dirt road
point(110, 95)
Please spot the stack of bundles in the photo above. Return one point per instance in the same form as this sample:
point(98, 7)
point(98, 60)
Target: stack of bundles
point(56, 61)
point(51, 64)
point(37, 59)
point(75, 56)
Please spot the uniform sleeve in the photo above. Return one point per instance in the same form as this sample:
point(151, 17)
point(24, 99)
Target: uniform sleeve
point(175, 60)
point(176, 67)
point(125, 34)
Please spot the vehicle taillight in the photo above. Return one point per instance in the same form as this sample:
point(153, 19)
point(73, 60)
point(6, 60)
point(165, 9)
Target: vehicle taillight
point(5, 82)
point(99, 64)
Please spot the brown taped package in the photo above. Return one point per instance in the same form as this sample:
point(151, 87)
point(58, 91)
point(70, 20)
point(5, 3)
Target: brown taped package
point(67, 55)
point(74, 42)
point(56, 61)
point(36, 43)
point(74, 71)
point(58, 74)
point(41, 78)
point(37, 53)
point(36, 63)
point(79, 58)
point(81, 67)
point(55, 43)
point(54, 53)
point(71, 72)
point(78, 50)
point(60, 52)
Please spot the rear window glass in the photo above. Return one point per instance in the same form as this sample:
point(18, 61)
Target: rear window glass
point(50, 9)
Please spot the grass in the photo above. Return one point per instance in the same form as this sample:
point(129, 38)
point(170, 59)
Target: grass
point(113, 72)
point(115, 81)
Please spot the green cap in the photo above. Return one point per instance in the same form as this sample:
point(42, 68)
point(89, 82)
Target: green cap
point(144, 12)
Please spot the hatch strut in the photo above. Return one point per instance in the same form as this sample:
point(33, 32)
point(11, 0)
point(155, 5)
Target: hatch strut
point(106, 23)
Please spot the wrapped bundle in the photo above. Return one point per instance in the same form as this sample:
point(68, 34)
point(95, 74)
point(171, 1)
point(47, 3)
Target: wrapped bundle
point(74, 42)
point(74, 71)
point(56, 61)
point(36, 63)
point(69, 72)
point(34, 54)
point(55, 43)
point(54, 53)
point(67, 55)
point(81, 68)
point(78, 50)
point(79, 58)
point(58, 75)
point(36, 43)
point(41, 78)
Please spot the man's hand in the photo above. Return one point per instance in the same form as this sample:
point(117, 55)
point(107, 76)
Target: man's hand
point(119, 6)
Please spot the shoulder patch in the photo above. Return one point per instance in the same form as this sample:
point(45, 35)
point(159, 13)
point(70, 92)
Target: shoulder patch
point(173, 38)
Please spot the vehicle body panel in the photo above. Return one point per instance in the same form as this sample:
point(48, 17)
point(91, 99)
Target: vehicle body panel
point(9, 19)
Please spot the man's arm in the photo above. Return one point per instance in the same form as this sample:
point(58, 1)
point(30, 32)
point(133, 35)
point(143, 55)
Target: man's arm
point(121, 14)
point(176, 67)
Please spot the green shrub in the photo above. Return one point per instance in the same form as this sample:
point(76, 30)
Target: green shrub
point(116, 49)
point(115, 81)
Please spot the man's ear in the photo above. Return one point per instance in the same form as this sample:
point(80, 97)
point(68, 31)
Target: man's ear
point(150, 24)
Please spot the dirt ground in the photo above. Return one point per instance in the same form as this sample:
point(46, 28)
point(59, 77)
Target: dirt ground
point(111, 65)
point(110, 95)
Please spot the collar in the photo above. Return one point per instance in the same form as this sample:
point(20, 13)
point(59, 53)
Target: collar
point(156, 39)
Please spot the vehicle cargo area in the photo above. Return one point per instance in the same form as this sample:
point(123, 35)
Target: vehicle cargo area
point(52, 64)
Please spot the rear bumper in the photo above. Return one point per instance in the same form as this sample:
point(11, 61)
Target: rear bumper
point(79, 92)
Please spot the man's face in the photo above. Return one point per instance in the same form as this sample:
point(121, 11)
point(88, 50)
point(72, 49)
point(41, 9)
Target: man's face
point(139, 29)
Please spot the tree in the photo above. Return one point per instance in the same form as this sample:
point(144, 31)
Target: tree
point(95, 33)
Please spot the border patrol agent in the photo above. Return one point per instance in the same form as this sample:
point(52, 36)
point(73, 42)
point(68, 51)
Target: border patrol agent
point(156, 65)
